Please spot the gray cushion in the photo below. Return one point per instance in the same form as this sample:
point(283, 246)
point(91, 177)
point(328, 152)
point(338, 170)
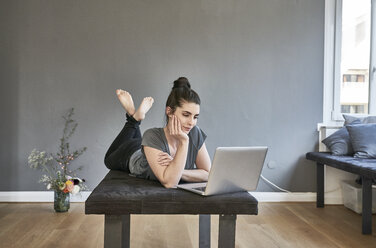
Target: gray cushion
point(363, 119)
point(363, 140)
point(361, 166)
point(339, 143)
point(119, 193)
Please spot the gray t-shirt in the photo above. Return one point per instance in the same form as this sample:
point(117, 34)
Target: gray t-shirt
point(155, 138)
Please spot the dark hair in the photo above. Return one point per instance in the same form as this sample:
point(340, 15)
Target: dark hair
point(181, 92)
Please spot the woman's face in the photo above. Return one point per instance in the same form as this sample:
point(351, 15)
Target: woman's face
point(187, 115)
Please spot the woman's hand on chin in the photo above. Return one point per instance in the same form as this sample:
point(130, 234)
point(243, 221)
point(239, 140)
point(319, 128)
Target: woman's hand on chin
point(175, 130)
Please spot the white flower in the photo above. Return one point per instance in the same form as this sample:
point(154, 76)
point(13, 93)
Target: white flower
point(68, 177)
point(76, 189)
point(49, 186)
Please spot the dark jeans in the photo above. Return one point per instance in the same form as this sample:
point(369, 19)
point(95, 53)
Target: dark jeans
point(125, 144)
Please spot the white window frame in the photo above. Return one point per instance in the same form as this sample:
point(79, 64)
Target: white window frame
point(332, 56)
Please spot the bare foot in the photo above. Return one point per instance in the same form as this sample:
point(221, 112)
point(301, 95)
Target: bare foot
point(143, 109)
point(126, 100)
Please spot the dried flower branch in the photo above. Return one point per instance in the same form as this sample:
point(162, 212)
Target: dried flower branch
point(57, 166)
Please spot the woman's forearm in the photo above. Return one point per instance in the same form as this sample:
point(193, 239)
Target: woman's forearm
point(198, 175)
point(175, 169)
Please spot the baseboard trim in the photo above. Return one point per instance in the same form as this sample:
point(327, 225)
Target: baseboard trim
point(48, 196)
point(295, 197)
point(38, 196)
point(284, 197)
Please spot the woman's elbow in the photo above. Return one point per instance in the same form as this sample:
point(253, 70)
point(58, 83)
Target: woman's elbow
point(169, 185)
point(169, 181)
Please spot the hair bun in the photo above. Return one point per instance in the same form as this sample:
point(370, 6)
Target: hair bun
point(182, 82)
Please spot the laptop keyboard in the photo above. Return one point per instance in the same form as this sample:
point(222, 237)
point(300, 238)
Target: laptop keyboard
point(200, 189)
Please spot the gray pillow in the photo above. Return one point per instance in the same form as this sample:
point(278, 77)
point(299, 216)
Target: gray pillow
point(363, 140)
point(363, 119)
point(339, 143)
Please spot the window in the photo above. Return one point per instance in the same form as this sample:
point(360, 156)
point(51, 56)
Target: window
point(353, 78)
point(353, 109)
point(349, 57)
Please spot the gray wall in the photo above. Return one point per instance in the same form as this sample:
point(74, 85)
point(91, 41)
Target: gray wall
point(257, 65)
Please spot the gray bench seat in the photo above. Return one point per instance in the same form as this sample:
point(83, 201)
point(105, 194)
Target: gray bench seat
point(119, 195)
point(366, 168)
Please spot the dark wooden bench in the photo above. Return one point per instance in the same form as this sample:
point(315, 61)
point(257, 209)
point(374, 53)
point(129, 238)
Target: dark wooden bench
point(366, 168)
point(119, 195)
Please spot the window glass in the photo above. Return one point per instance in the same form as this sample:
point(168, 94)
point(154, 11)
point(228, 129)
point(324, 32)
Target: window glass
point(355, 56)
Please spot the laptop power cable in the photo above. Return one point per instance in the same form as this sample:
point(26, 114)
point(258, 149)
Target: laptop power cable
point(272, 184)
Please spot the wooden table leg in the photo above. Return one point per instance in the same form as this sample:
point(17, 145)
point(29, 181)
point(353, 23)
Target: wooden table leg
point(367, 205)
point(227, 226)
point(320, 186)
point(116, 231)
point(204, 231)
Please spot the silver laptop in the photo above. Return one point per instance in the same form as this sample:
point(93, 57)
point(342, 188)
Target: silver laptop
point(233, 169)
